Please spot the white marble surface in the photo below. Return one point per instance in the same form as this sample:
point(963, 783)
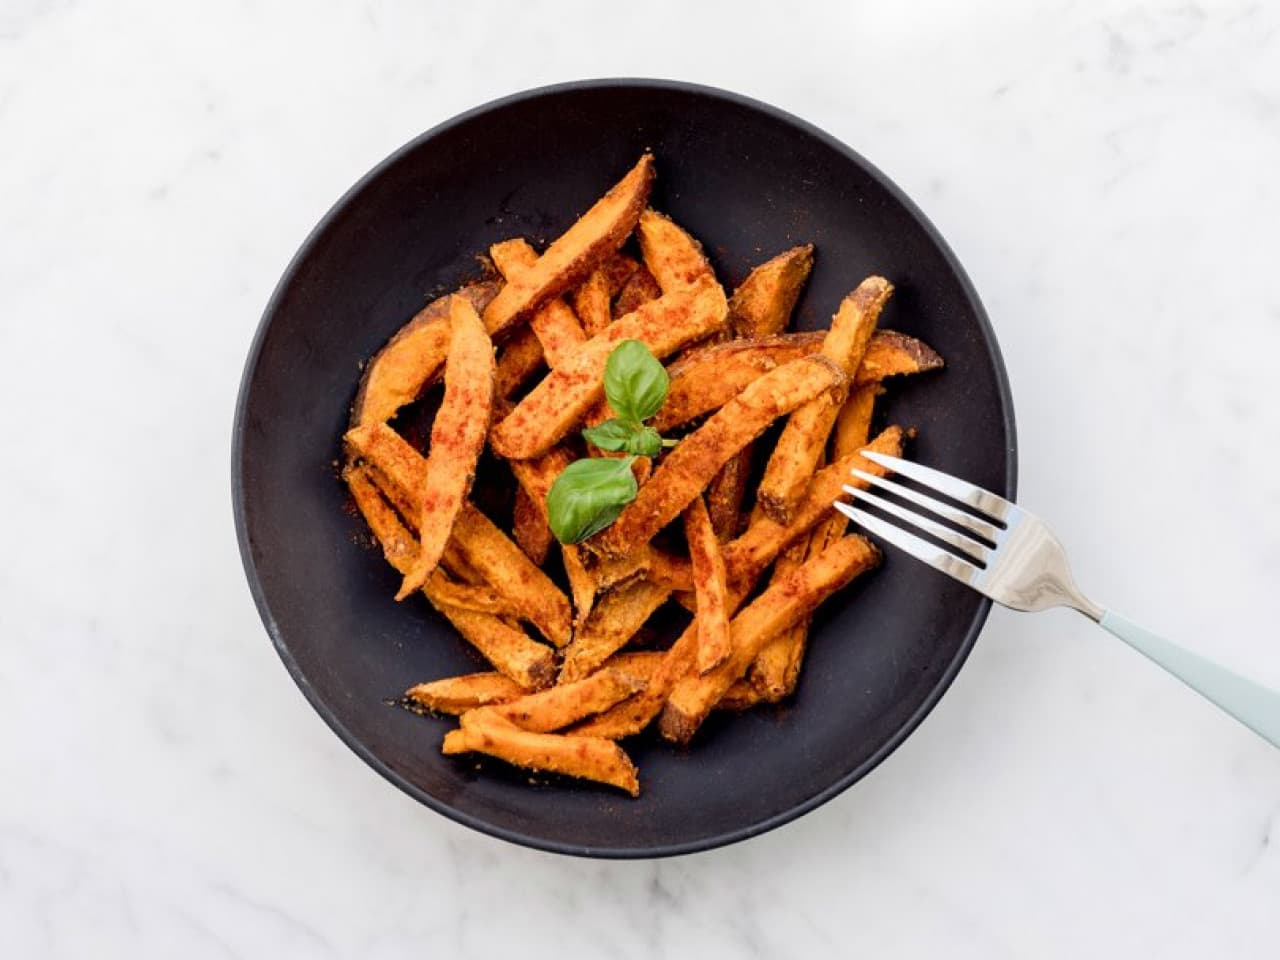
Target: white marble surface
point(1106, 171)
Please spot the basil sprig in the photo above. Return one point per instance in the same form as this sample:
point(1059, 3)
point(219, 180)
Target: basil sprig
point(590, 493)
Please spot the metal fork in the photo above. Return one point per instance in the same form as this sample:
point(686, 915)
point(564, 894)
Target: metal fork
point(1010, 556)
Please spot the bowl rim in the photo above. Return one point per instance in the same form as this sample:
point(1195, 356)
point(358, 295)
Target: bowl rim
point(238, 494)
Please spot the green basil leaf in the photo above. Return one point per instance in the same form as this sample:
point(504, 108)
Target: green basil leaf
point(635, 383)
point(588, 496)
point(612, 435)
point(646, 442)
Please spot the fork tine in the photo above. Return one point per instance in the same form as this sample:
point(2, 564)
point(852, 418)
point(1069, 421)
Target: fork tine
point(960, 518)
point(958, 540)
point(953, 487)
point(922, 550)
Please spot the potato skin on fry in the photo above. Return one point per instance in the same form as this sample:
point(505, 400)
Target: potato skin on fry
point(638, 290)
point(561, 399)
point(762, 305)
point(578, 251)
point(457, 437)
point(413, 358)
point(588, 758)
point(782, 604)
point(688, 468)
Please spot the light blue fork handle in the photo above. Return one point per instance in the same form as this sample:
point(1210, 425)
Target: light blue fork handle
point(1254, 705)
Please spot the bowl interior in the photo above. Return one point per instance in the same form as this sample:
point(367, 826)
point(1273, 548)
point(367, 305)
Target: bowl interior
point(748, 181)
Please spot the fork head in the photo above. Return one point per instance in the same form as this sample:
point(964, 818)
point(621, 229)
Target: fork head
point(992, 544)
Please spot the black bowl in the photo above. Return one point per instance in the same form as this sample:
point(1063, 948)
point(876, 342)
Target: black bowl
point(748, 180)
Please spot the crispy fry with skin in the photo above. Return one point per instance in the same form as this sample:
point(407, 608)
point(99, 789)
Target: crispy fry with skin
point(578, 251)
point(747, 556)
point(638, 290)
point(795, 457)
point(559, 401)
point(710, 585)
point(615, 619)
point(726, 492)
point(783, 603)
point(588, 758)
point(554, 324)
point(762, 305)
point(412, 359)
point(400, 472)
point(675, 259)
point(514, 654)
point(457, 695)
point(709, 377)
point(457, 437)
point(688, 468)
point(529, 527)
point(518, 361)
point(567, 703)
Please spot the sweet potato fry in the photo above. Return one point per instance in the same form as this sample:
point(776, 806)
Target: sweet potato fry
point(635, 713)
point(638, 290)
point(456, 695)
point(588, 758)
point(688, 468)
point(741, 696)
point(459, 694)
point(529, 527)
point(853, 424)
point(478, 541)
point(466, 596)
point(413, 358)
point(559, 401)
point(782, 604)
point(578, 251)
point(457, 437)
point(726, 491)
point(709, 377)
point(554, 324)
point(747, 556)
point(675, 259)
point(567, 703)
point(516, 655)
point(892, 354)
point(776, 669)
point(795, 457)
point(518, 361)
point(762, 305)
point(710, 585)
point(591, 301)
point(614, 620)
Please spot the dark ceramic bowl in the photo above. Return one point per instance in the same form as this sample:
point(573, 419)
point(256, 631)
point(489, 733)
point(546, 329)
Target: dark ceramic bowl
point(747, 179)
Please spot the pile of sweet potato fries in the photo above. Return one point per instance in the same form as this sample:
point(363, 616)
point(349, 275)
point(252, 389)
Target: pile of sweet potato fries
point(743, 538)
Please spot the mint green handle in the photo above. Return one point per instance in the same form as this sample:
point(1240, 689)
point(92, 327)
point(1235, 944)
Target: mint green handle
point(1254, 705)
